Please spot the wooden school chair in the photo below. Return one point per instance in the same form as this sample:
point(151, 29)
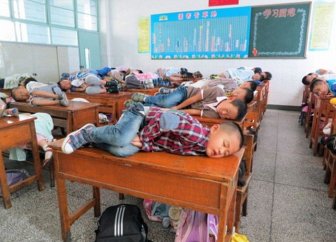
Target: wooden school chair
point(320, 119)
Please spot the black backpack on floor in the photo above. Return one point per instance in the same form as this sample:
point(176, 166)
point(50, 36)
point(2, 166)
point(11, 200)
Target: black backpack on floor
point(122, 223)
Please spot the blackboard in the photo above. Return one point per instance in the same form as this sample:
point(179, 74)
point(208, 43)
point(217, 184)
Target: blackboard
point(279, 30)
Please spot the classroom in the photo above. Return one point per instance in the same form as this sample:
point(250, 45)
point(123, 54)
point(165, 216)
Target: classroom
point(185, 121)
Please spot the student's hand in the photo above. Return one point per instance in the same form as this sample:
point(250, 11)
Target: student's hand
point(174, 108)
point(136, 141)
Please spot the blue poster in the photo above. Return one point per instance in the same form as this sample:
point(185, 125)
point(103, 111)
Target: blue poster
point(203, 34)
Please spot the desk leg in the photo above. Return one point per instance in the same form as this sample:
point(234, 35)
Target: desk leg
point(3, 184)
point(96, 196)
point(63, 207)
point(36, 159)
point(223, 209)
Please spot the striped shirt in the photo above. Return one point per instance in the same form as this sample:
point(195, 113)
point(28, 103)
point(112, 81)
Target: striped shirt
point(173, 131)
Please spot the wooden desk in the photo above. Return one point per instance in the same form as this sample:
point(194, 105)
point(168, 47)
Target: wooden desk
point(112, 103)
point(195, 182)
point(15, 132)
point(149, 91)
point(71, 118)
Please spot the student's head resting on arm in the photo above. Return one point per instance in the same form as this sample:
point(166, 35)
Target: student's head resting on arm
point(20, 94)
point(319, 87)
point(232, 109)
point(64, 84)
point(244, 94)
point(224, 139)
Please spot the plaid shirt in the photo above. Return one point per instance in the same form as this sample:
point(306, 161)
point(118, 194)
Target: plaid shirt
point(173, 131)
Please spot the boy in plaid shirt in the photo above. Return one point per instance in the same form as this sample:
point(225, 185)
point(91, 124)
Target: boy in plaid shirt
point(160, 130)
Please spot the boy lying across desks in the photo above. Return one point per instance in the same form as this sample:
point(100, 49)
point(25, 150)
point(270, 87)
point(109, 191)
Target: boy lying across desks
point(158, 130)
point(40, 94)
point(209, 102)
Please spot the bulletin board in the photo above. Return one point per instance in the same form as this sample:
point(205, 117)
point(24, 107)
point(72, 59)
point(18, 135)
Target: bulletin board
point(202, 34)
point(279, 30)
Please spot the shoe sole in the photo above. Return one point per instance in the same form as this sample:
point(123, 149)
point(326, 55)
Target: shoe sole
point(67, 138)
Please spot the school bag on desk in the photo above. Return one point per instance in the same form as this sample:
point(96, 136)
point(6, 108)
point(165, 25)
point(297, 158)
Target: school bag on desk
point(122, 223)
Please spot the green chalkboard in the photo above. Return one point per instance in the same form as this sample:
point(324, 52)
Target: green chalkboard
point(279, 30)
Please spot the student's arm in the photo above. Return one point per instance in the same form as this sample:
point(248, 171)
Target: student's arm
point(136, 141)
point(189, 101)
point(192, 111)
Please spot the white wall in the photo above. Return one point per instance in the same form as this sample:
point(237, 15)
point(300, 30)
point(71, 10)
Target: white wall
point(119, 21)
point(45, 60)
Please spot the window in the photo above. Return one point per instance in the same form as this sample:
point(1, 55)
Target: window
point(7, 32)
point(47, 21)
point(30, 10)
point(64, 36)
point(32, 33)
point(87, 14)
point(4, 8)
point(62, 17)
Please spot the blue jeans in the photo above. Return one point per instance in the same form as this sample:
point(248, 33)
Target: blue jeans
point(117, 138)
point(168, 100)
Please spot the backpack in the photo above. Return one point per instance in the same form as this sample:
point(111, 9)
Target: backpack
point(122, 223)
point(196, 226)
point(112, 86)
point(15, 176)
point(331, 143)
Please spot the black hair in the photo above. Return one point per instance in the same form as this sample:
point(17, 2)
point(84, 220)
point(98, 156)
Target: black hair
point(27, 80)
point(315, 82)
point(249, 95)
point(59, 83)
point(242, 108)
point(267, 77)
point(304, 79)
point(257, 70)
point(253, 85)
point(235, 128)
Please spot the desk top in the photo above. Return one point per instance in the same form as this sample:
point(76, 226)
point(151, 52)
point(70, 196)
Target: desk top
point(100, 95)
point(218, 169)
point(73, 106)
point(6, 122)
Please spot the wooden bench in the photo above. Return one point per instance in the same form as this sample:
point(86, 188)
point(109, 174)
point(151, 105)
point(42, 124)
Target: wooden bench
point(15, 132)
point(196, 182)
point(322, 112)
point(71, 118)
point(242, 191)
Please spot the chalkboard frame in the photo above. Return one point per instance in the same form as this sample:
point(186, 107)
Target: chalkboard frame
point(253, 51)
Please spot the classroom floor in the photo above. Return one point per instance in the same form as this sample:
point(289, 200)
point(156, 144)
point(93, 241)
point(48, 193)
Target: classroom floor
point(287, 200)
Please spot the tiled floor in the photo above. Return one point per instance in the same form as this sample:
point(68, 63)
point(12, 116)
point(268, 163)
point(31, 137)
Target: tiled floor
point(287, 202)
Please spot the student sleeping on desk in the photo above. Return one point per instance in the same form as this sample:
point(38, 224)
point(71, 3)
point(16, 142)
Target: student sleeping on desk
point(157, 130)
point(40, 94)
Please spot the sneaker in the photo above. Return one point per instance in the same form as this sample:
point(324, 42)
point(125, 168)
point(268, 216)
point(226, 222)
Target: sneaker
point(128, 103)
point(139, 97)
point(76, 139)
point(137, 107)
point(63, 99)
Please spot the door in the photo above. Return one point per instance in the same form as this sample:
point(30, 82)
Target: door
point(89, 49)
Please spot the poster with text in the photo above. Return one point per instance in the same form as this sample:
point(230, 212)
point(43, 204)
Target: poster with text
point(202, 34)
